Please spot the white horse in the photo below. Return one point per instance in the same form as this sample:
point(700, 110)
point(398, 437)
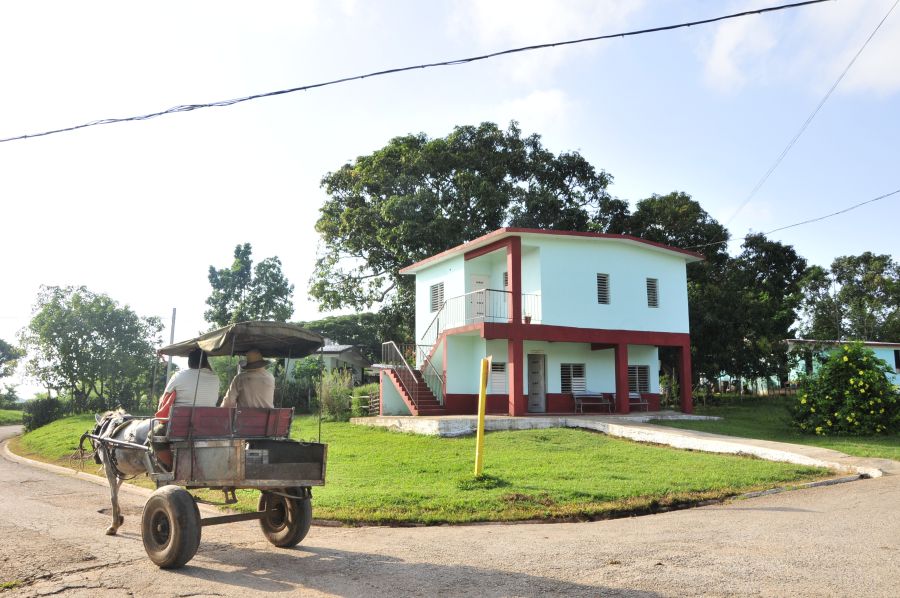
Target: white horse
point(118, 460)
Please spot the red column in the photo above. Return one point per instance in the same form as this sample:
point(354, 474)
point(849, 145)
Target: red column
point(516, 370)
point(621, 357)
point(514, 268)
point(685, 379)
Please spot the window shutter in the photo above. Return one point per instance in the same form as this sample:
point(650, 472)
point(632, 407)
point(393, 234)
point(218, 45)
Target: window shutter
point(652, 292)
point(638, 378)
point(437, 296)
point(498, 378)
point(603, 289)
point(506, 280)
point(572, 378)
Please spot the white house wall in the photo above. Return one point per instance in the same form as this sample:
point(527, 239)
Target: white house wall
point(599, 365)
point(391, 402)
point(464, 354)
point(569, 268)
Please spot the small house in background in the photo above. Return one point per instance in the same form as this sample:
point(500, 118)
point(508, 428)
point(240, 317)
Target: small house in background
point(336, 356)
point(570, 319)
point(809, 355)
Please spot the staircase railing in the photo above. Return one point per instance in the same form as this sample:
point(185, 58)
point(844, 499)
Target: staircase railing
point(433, 380)
point(393, 356)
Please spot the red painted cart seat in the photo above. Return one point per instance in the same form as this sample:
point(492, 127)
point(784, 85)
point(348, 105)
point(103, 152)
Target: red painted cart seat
point(230, 422)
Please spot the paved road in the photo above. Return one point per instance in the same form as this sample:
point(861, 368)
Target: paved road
point(840, 540)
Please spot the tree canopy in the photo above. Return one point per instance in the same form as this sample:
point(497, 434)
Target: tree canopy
point(419, 196)
point(857, 298)
point(88, 346)
point(243, 292)
point(9, 358)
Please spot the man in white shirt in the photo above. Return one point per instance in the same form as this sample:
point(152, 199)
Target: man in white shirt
point(254, 386)
point(197, 386)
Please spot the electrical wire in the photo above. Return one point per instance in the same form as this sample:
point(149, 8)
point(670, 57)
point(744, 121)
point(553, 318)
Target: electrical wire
point(810, 221)
point(392, 71)
point(809, 119)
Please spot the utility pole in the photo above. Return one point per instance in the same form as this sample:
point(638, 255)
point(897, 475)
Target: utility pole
point(171, 342)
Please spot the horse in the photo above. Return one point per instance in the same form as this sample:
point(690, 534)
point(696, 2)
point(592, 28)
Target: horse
point(120, 462)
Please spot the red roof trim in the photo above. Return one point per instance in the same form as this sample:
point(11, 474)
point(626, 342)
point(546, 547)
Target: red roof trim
point(501, 232)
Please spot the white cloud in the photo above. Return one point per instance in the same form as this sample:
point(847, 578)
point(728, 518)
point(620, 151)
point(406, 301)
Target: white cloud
point(500, 24)
point(542, 110)
point(810, 46)
point(736, 51)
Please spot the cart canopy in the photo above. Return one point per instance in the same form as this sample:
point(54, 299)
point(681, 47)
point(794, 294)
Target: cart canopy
point(272, 339)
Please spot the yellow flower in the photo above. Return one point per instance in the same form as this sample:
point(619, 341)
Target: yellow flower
point(828, 422)
point(861, 373)
point(846, 348)
point(812, 409)
point(845, 358)
point(818, 429)
point(803, 401)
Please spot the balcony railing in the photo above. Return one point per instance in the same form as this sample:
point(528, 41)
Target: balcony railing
point(485, 305)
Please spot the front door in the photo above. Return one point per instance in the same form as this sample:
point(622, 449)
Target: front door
point(537, 387)
point(478, 298)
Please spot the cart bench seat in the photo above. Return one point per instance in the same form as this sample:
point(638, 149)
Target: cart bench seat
point(228, 422)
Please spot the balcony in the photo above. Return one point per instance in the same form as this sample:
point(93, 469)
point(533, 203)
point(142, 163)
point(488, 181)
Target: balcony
point(485, 305)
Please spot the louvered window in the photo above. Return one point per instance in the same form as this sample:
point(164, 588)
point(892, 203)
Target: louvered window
point(506, 280)
point(603, 289)
point(572, 377)
point(897, 359)
point(437, 296)
point(638, 378)
point(498, 378)
point(652, 292)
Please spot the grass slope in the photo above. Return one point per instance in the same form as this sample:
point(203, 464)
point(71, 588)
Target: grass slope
point(768, 419)
point(378, 476)
point(9, 417)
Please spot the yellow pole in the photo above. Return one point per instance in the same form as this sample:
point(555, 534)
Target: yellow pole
point(482, 404)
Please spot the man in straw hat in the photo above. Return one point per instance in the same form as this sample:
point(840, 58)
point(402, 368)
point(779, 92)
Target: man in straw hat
point(254, 386)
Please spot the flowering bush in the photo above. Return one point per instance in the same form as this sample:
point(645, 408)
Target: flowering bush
point(850, 394)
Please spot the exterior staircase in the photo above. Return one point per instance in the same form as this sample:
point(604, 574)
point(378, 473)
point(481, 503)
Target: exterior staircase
point(415, 392)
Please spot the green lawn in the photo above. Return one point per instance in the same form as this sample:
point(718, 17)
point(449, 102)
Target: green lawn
point(378, 476)
point(768, 419)
point(9, 417)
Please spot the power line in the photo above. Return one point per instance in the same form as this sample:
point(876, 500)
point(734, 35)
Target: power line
point(458, 61)
point(809, 119)
point(810, 221)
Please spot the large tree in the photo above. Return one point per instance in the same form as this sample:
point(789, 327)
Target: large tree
point(243, 292)
point(418, 196)
point(766, 277)
point(89, 347)
point(858, 298)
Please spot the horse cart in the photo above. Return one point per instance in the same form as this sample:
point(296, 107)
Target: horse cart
point(216, 448)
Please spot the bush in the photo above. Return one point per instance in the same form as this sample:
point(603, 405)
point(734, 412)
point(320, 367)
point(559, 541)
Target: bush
point(359, 404)
point(40, 412)
point(850, 394)
point(336, 395)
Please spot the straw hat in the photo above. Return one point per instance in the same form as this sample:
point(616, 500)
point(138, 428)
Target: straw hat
point(255, 360)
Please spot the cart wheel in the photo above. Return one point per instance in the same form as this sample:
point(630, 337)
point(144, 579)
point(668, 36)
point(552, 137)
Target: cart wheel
point(170, 526)
point(288, 521)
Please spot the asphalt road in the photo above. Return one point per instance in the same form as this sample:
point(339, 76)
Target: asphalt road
point(841, 540)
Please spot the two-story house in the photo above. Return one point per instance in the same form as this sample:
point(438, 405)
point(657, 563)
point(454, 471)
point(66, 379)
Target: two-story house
point(560, 313)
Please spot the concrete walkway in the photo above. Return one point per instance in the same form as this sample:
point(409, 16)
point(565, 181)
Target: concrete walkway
point(635, 427)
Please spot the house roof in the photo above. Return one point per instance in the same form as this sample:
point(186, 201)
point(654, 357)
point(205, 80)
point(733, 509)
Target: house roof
point(808, 341)
point(336, 348)
point(503, 233)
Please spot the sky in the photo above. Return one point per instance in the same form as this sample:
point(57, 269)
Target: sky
point(141, 210)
